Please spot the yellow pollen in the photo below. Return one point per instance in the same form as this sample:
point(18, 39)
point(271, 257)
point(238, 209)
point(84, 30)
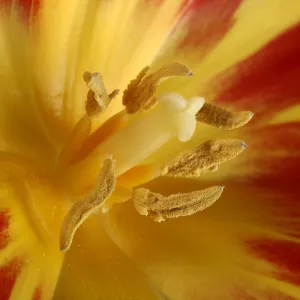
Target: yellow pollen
point(139, 95)
point(224, 119)
point(160, 207)
point(97, 96)
point(80, 210)
point(205, 157)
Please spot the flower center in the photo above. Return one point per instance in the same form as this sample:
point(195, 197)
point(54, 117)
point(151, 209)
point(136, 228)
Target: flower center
point(146, 124)
point(148, 133)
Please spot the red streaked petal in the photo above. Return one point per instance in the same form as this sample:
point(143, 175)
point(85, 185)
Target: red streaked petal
point(267, 81)
point(4, 223)
point(273, 156)
point(8, 276)
point(208, 22)
point(27, 6)
point(37, 294)
point(284, 254)
point(258, 214)
point(207, 256)
point(37, 253)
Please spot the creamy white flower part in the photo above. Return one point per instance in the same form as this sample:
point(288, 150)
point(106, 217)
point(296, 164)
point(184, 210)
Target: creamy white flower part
point(173, 116)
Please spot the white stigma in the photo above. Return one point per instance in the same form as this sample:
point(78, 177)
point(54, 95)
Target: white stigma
point(144, 135)
point(182, 113)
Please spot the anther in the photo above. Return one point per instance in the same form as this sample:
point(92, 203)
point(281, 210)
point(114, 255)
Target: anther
point(160, 207)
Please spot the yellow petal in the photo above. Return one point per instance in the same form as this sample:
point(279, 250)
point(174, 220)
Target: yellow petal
point(111, 37)
point(29, 241)
point(94, 268)
point(204, 256)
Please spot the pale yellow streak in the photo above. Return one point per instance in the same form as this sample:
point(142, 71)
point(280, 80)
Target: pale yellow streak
point(291, 114)
point(286, 288)
point(9, 252)
point(57, 23)
point(26, 282)
point(15, 62)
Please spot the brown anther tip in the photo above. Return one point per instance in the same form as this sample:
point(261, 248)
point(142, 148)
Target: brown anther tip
point(113, 94)
point(87, 76)
point(64, 248)
point(244, 145)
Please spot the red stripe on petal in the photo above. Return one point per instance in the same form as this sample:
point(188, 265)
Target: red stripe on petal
point(37, 294)
point(27, 6)
point(267, 81)
point(4, 223)
point(275, 150)
point(208, 22)
point(243, 295)
point(8, 276)
point(285, 255)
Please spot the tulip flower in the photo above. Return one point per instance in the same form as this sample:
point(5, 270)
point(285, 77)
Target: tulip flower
point(149, 149)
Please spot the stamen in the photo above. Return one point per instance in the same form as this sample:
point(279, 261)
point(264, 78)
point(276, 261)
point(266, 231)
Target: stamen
point(139, 93)
point(80, 210)
point(159, 207)
point(97, 97)
point(221, 118)
point(205, 157)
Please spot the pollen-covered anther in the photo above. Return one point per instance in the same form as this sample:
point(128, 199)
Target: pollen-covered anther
point(224, 119)
point(97, 97)
point(205, 157)
point(139, 95)
point(160, 207)
point(80, 210)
